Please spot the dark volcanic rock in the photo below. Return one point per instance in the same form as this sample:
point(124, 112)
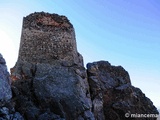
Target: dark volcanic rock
point(5, 88)
point(113, 95)
point(49, 74)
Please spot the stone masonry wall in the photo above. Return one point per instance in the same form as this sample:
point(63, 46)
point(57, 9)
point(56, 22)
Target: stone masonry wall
point(47, 38)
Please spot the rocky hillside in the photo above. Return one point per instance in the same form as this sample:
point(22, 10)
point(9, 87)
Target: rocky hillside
point(49, 81)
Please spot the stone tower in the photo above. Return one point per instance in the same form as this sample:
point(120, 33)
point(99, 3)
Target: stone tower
point(50, 70)
point(47, 38)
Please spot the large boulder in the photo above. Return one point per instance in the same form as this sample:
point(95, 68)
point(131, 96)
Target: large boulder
point(113, 96)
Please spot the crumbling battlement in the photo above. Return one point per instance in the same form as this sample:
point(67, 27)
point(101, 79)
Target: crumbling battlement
point(47, 22)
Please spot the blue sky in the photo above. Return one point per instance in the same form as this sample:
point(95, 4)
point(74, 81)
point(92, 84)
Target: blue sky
point(123, 32)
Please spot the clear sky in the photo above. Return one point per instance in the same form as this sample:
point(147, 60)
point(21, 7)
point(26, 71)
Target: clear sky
point(123, 32)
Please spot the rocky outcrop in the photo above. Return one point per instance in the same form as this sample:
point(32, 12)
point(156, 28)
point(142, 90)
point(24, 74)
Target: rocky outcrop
point(49, 81)
point(5, 88)
point(7, 111)
point(113, 96)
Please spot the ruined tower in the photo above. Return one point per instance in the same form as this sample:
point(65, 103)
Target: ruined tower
point(47, 38)
point(50, 70)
